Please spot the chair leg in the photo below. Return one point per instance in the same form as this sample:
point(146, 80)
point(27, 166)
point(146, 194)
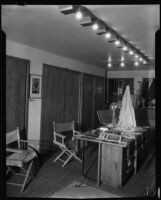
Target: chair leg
point(67, 160)
point(10, 169)
point(59, 156)
point(28, 172)
point(76, 157)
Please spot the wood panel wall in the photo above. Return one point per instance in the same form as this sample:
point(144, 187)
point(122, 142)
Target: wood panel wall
point(87, 104)
point(17, 74)
point(93, 100)
point(60, 100)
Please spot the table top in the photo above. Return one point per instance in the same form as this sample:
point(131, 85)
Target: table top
point(118, 138)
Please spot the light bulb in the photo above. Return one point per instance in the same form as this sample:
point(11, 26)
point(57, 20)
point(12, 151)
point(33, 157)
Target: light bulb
point(131, 52)
point(108, 35)
point(125, 48)
point(95, 26)
point(122, 64)
point(136, 56)
point(141, 59)
point(78, 15)
point(136, 63)
point(109, 65)
point(144, 62)
point(117, 42)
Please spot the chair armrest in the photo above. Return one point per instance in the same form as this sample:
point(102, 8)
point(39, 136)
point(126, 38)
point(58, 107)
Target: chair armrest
point(76, 132)
point(29, 141)
point(59, 135)
point(14, 150)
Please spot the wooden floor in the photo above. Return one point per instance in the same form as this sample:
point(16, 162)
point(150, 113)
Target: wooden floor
point(52, 178)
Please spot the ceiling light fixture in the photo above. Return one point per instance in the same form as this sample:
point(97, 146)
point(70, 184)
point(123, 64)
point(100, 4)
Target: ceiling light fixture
point(108, 35)
point(95, 26)
point(79, 14)
point(136, 63)
point(109, 65)
point(131, 52)
point(140, 59)
point(125, 48)
point(117, 42)
point(144, 62)
point(122, 64)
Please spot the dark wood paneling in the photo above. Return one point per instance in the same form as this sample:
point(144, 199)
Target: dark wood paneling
point(60, 99)
point(16, 94)
point(98, 98)
point(87, 104)
point(71, 95)
point(53, 100)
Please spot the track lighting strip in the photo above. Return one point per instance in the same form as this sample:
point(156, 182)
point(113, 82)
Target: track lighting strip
point(89, 19)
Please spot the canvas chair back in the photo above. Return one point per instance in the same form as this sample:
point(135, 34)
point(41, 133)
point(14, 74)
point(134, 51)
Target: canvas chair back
point(104, 116)
point(61, 127)
point(13, 136)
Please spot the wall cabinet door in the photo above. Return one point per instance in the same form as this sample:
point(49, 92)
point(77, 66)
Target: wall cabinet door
point(52, 103)
point(71, 96)
point(99, 100)
point(88, 102)
point(17, 73)
point(60, 101)
point(93, 100)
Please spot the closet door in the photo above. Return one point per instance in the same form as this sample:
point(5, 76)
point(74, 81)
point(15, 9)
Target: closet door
point(98, 98)
point(53, 103)
point(17, 74)
point(87, 104)
point(71, 97)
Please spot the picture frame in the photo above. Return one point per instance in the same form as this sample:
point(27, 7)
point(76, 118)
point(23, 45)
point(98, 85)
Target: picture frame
point(35, 86)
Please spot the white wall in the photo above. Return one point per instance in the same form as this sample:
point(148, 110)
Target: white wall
point(37, 58)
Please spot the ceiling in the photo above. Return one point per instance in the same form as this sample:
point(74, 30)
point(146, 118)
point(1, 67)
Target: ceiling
point(46, 28)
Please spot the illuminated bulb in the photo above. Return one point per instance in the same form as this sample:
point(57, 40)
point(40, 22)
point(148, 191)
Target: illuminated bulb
point(144, 62)
point(78, 15)
point(125, 48)
point(108, 35)
point(141, 59)
point(136, 63)
point(95, 26)
point(122, 64)
point(136, 56)
point(109, 65)
point(117, 42)
point(131, 52)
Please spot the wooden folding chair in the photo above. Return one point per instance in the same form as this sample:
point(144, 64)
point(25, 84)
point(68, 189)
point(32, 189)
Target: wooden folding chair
point(18, 157)
point(62, 140)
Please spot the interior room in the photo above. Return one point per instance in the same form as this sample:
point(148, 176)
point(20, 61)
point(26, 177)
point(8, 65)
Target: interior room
point(80, 100)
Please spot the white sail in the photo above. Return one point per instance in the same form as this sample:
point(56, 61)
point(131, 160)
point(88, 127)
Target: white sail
point(127, 114)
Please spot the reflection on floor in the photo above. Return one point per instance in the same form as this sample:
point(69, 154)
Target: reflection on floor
point(52, 179)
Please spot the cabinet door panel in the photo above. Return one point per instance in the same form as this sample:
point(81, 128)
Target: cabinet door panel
point(98, 98)
point(71, 95)
point(87, 104)
point(16, 97)
point(53, 102)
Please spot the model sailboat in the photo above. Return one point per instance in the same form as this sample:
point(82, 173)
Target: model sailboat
point(127, 114)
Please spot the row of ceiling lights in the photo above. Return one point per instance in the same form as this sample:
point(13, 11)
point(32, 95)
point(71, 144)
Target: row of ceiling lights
point(119, 41)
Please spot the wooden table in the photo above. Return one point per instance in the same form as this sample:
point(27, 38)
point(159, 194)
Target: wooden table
point(100, 142)
point(114, 159)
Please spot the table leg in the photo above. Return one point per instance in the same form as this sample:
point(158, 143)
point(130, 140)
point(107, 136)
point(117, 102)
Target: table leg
point(99, 163)
point(83, 158)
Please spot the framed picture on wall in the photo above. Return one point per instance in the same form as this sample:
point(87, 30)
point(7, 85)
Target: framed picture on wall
point(35, 86)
